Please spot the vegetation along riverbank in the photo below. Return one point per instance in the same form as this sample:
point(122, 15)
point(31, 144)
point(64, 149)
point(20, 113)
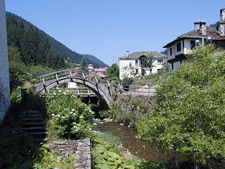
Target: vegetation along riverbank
point(186, 115)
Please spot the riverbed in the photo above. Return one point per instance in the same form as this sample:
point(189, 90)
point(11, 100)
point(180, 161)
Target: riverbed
point(137, 147)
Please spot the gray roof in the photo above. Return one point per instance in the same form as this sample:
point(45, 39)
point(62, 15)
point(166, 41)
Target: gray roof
point(137, 55)
point(210, 31)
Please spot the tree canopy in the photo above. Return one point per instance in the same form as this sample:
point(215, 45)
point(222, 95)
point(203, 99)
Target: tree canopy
point(189, 116)
point(147, 63)
point(113, 71)
point(33, 45)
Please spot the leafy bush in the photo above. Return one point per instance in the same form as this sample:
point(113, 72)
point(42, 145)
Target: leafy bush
point(127, 109)
point(106, 154)
point(68, 116)
point(149, 165)
point(127, 81)
point(16, 148)
point(48, 159)
point(189, 115)
point(104, 114)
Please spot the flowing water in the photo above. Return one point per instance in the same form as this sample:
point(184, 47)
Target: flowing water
point(137, 147)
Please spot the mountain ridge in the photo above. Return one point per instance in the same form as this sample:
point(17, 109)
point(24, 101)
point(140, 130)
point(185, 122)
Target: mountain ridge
point(73, 56)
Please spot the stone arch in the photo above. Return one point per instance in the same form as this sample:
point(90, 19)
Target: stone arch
point(99, 89)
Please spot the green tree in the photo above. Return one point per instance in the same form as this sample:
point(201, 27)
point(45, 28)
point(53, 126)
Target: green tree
point(84, 65)
point(113, 71)
point(17, 69)
point(147, 64)
point(68, 117)
point(189, 116)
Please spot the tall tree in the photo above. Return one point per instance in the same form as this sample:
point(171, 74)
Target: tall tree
point(189, 115)
point(84, 65)
point(113, 71)
point(147, 63)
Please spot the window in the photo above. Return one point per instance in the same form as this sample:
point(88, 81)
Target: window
point(192, 44)
point(136, 62)
point(136, 71)
point(171, 51)
point(172, 66)
point(160, 61)
point(178, 47)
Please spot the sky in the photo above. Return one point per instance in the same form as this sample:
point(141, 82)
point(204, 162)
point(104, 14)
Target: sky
point(107, 29)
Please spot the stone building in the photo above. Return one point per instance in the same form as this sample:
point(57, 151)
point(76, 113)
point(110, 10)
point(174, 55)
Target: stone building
point(4, 68)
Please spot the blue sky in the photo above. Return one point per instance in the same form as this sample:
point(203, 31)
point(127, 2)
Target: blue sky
point(109, 28)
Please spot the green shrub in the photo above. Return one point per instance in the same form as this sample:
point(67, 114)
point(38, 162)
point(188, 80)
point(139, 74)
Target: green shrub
point(106, 154)
point(149, 165)
point(127, 81)
point(104, 114)
point(48, 159)
point(189, 115)
point(68, 116)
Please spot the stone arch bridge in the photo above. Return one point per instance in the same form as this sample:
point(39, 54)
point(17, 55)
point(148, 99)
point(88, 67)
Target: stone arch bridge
point(45, 82)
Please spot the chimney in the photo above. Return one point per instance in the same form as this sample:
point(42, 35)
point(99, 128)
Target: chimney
point(222, 15)
point(200, 26)
point(127, 54)
point(203, 27)
point(197, 25)
point(221, 25)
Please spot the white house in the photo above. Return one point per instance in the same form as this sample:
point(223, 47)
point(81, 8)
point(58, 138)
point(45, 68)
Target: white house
point(178, 49)
point(131, 64)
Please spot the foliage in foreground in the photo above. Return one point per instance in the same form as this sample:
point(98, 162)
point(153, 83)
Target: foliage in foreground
point(48, 159)
point(127, 109)
point(69, 118)
point(107, 154)
point(16, 147)
point(190, 112)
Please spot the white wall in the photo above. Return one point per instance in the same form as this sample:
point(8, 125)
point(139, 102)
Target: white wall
point(175, 66)
point(4, 69)
point(127, 73)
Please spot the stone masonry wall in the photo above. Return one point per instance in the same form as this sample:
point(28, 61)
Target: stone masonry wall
point(4, 68)
point(82, 148)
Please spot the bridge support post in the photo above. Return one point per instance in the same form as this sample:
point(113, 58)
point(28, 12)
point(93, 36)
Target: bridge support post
point(57, 79)
point(109, 89)
point(83, 75)
point(46, 90)
point(71, 77)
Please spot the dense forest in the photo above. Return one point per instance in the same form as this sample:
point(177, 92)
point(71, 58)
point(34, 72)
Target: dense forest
point(17, 25)
point(33, 45)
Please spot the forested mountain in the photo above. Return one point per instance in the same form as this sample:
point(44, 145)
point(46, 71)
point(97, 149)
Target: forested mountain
point(33, 45)
point(56, 46)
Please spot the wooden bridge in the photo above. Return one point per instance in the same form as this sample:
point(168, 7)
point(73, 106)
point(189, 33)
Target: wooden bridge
point(46, 82)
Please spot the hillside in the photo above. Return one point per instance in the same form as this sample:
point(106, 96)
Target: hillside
point(62, 49)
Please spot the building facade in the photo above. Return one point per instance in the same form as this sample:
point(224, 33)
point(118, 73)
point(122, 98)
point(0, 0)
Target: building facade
point(131, 64)
point(4, 68)
point(178, 49)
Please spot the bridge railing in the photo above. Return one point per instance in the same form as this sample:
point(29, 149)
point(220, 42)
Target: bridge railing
point(55, 75)
point(78, 90)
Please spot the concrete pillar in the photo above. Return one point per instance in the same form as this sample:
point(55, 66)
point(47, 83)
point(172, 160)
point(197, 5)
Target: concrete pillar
point(4, 67)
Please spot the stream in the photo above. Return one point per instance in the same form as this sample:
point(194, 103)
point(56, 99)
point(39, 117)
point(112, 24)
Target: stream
point(137, 147)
